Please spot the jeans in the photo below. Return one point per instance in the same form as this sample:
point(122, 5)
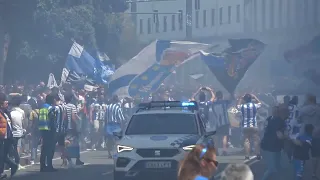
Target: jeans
point(5, 146)
point(273, 163)
point(16, 144)
point(298, 166)
point(47, 149)
point(34, 146)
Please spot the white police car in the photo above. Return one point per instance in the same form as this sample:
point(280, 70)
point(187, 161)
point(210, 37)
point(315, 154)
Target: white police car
point(156, 139)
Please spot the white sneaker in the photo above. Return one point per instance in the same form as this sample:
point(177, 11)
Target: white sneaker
point(32, 162)
point(21, 167)
point(70, 164)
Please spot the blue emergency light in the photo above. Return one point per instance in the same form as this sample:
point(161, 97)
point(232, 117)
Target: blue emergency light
point(189, 105)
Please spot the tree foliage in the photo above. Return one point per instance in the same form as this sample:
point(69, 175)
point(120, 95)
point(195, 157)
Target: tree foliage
point(44, 29)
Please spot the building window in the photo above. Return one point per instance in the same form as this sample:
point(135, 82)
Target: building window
point(220, 15)
point(238, 13)
point(229, 14)
point(263, 6)
point(204, 18)
point(197, 19)
point(173, 22)
point(255, 12)
point(280, 13)
point(271, 14)
point(149, 25)
point(298, 13)
point(196, 4)
point(289, 13)
point(180, 20)
point(141, 26)
point(165, 25)
point(315, 5)
point(156, 20)
point(213, 16)
point(306, 11)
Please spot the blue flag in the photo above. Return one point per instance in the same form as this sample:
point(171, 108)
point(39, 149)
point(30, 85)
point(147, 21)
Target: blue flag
point(230, 66)
point(145, 72)
point(83, 65)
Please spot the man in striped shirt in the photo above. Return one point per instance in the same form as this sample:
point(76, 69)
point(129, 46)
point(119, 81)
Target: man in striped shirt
point(97, 118)
point(221, 119)
point(249, 123)
point(114, 121)
point(72, 129)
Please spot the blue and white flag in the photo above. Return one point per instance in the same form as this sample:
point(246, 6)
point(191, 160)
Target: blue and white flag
point(144, 73)
point(81, 64)
point(230, 65)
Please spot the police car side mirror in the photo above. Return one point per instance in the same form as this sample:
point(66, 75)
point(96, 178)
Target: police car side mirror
point(210, 133)
point(118, 134)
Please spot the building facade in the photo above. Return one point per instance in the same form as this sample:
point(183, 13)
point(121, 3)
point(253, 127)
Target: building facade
point(186, 19)
point(198, 19)
point(281, 24)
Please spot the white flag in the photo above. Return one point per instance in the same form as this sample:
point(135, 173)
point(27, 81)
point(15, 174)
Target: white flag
point(51, 81)
point(64, 76)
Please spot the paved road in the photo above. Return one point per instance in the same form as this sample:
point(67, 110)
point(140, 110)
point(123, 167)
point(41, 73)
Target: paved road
point(99, 167)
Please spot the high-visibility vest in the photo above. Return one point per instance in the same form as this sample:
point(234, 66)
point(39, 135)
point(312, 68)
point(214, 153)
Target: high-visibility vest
point(43, 123)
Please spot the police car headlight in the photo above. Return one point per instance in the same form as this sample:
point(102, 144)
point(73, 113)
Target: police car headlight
point(121, 148)
point(188, 148)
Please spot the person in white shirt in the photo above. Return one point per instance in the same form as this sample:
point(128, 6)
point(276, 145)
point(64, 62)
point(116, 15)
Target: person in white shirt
point(17, 118)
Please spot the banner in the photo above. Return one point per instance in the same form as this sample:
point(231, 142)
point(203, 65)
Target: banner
point(52, 81)
point(230, 66)
point(168, 56)
point(146, 71)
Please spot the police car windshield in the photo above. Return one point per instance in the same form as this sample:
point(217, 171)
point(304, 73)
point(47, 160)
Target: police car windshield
point(162, 124)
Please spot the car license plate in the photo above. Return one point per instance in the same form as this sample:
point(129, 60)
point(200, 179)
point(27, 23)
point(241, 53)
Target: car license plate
point(159, 164)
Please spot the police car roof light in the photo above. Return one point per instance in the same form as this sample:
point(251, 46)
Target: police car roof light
point(190, 105)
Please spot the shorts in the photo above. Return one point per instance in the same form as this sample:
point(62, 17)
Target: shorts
point(96, 124)
point(250, 132)
point(112, 127)
point(223, 130)
point(315, 150)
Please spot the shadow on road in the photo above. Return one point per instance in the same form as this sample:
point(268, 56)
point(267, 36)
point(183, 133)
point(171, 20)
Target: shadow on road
point(79, 173)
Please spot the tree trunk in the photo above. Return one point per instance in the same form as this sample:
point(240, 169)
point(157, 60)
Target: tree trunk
point(2, 58)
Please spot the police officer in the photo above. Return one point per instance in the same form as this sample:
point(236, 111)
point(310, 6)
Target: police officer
point(48, 114)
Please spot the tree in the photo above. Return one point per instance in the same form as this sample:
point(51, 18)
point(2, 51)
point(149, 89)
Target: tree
point(44, 29)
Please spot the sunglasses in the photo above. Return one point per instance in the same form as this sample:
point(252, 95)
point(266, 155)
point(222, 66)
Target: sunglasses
point(208, 160)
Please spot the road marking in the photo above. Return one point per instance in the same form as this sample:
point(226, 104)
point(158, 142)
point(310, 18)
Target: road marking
point(249, 162)
point(26, 166)
point(106, 173)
